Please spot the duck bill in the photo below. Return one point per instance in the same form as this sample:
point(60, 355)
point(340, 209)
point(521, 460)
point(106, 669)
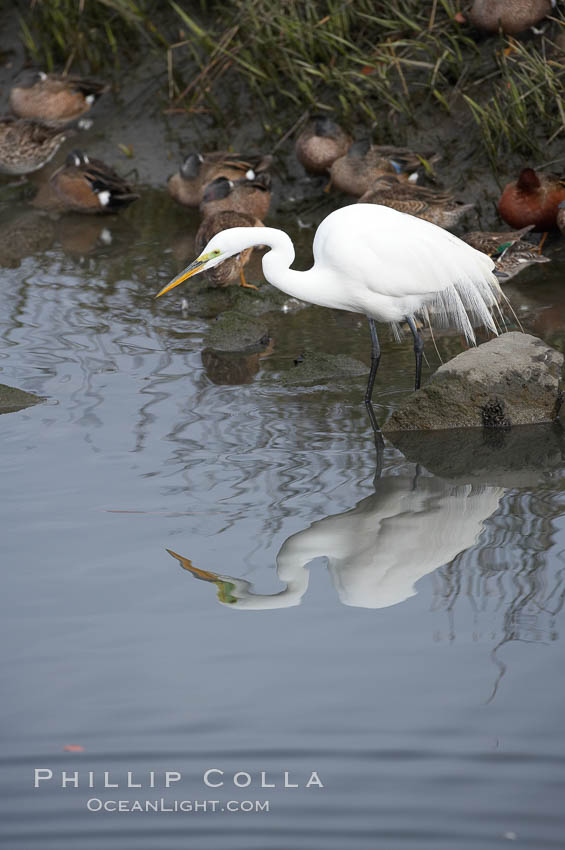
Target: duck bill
point(189, 271)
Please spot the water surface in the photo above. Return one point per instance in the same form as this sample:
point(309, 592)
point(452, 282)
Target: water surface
point(400, 635)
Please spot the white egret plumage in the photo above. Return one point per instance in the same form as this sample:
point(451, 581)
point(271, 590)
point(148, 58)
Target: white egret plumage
point(375, 552)
point(371, 259)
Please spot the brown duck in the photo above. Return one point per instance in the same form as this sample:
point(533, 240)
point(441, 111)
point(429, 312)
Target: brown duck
point(437, 207)
point(54, 100)
point(26, 146)
point(364, 163)
point(533, 199)
point(320, 143)
point(511, 16)
point(494, 244)
point(187, 185)
point(252, 197)
point(90, 186)
point(232, 268)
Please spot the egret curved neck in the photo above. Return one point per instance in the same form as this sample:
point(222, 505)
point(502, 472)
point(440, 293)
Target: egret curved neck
point(277, 261)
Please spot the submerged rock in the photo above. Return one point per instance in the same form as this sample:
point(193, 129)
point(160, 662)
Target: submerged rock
point(12, 399)
point(313, 368)
point(511, 380)
point(234, 331)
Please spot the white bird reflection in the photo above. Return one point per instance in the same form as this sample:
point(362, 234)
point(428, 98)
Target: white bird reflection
point(376, 551)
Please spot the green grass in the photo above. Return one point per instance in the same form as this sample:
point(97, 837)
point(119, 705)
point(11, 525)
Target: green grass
point(364, 61)
point(370, 62)
point(87, 34)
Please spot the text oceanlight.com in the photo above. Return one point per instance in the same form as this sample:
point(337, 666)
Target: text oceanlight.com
point(186, 806)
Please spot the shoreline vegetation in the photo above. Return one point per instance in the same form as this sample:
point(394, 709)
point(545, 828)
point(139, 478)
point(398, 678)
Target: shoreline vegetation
point(386, 66)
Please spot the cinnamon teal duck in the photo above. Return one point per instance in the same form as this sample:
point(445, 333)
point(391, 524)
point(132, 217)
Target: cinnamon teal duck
point(534, 199)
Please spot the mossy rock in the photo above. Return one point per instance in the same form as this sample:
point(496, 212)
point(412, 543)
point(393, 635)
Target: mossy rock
point(205, 301)
point(235, 331)
point(316, 368)
point(264, 299)
point(12, 399)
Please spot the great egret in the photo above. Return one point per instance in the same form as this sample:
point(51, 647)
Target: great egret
point(373, 260)
point(53, 99)
point(231, 269)
point(90, 186)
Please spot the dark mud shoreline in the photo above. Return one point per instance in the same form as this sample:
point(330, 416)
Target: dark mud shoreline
point(137, 115)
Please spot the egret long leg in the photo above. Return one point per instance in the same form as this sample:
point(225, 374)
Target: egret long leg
point(418, 349)
point(375, 360)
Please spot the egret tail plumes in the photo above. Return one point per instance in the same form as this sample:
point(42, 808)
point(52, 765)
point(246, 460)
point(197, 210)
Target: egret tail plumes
point(410, 267)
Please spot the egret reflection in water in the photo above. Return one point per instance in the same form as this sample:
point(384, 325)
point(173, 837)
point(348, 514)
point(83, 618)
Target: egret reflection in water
point(376, 551)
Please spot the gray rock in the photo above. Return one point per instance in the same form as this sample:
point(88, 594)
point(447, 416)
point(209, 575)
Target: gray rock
point(511, 380)
point(234, 331)
point(12, 399)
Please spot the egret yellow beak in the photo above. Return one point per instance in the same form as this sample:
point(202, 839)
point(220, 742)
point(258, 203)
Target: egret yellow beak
point(189, 271)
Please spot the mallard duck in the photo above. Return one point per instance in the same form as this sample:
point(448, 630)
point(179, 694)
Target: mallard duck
point(514, 259)
point(243, 196)
point(52, 99)
point(438, 207)
point(187, 184)
point(320, 143)
point(511, 16)
point(231, 268)
point(90, 186)
point(494, 243)
point(356, 172)
point(26, 146)
point(532, 199)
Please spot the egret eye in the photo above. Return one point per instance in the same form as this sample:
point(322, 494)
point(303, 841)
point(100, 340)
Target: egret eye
point(216, 253)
